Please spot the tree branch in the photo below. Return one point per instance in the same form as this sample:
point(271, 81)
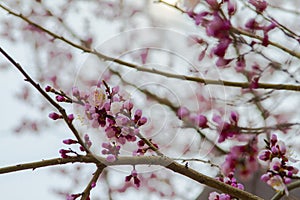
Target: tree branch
point(45, 163)
point(140, 160)
point(86, 192)
point(155, 71)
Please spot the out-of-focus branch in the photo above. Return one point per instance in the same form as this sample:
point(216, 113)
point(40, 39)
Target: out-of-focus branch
point(159, 72)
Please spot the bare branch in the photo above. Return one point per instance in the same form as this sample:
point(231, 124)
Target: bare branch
point(86, 192)
point(46, 163)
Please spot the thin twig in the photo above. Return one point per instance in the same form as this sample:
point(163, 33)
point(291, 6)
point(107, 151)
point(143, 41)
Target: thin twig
point(86, 192)
point(46, 163)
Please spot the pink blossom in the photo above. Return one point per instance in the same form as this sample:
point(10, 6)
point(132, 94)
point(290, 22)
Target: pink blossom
point(218, 28)
point(213, 4)
point(260, 5)
point(221, 48)
point(133, 176)
point(230, 180)
point(231, 8)
point(182, 112)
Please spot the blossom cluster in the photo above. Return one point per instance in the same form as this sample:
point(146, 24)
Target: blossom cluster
point(242, 159)
point(279, 172)
point(112, 110)
point(107, 108)
point(227, 129)
point(217, 23)
point(230, 180)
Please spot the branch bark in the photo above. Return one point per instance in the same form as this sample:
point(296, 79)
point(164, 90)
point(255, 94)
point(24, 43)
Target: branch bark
point(139, 160)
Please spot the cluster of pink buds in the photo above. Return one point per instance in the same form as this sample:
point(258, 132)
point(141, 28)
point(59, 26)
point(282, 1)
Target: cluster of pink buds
point(66, 153)
point(112, 110)
point(133, 176)
point(279, 172)
point(216, 26)
point(227, 129)
point(230, 180)
point(143, 148)
point(242, 159)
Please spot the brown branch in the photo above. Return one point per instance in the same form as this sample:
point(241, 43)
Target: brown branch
point(158, 72)
point(285, 49)
point(140, 160)
point(61, 110)
point(86, 192)
point(46, 163)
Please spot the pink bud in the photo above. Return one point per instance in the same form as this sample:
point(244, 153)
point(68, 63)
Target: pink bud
point(60, 98)
point(48, 88)
point(93, 184)
point(231, 8)
point(70, 117)
point(55, 116)
point(111, 158)
point(142, 121)
point(69, 141)
point(234, 117)
point(115, 89)
point(75, 92)
point(128, 105)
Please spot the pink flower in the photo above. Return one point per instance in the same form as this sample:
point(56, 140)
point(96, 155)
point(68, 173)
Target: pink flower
point(225, 129)
point(230, 180)
point(182, 112)
point(218, 27)
point(241, 159)
point(133, 175)
point(221, 48)
point(260, 5)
